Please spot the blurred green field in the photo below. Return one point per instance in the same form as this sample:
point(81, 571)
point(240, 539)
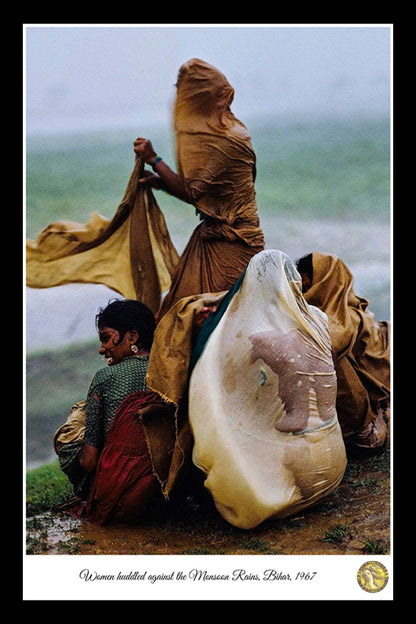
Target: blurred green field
point(331, 169)
point(55, 380)
point(336, 169)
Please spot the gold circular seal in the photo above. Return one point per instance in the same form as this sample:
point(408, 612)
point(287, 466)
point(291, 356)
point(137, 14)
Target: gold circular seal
point(372, 576)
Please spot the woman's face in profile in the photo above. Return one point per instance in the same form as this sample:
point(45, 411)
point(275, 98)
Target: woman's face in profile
point(112, 348)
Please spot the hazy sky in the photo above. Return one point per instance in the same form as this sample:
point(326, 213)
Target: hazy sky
point(101, 75)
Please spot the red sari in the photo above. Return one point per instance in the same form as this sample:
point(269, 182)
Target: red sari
point(124, 481)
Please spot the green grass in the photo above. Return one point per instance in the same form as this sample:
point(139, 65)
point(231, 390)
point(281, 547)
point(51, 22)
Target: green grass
point(46, 487)
point(337, 533)
point(375, 547)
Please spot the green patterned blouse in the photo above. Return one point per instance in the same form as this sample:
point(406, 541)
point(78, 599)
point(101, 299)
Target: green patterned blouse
point(112, 385)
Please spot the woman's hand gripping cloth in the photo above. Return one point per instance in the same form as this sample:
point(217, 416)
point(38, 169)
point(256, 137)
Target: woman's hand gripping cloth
point(262, 400)
point(132, 253)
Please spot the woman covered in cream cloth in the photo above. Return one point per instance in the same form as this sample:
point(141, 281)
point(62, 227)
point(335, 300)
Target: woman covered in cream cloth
point(216, 174)
point(262, 396)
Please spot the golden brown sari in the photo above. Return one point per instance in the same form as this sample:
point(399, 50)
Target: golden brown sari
point(217, 163)
point(133, 253)
point(362, 349)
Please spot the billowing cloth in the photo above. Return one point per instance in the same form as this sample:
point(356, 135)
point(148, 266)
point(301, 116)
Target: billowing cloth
point(262, 400)
point(132, 253)
point(361, 346)
point(124, 482)
point(169, 435)
point(216, 161)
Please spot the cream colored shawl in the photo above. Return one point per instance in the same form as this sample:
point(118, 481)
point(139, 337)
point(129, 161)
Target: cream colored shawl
point(262, 400)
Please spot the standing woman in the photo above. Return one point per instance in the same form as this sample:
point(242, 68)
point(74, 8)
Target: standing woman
point(216, 174)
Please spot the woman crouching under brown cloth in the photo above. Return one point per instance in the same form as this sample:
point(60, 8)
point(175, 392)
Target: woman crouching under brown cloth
point(361, 347)
point(216, 174)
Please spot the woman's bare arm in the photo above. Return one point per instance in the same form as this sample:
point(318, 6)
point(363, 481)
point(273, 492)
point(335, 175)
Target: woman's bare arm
point(164, 178)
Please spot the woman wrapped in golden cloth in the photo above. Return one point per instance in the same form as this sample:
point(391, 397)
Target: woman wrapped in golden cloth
point(361, 347)
point(216, 174)
point(133, 252)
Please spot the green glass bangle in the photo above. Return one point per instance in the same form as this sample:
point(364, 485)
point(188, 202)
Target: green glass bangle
point(154, 163)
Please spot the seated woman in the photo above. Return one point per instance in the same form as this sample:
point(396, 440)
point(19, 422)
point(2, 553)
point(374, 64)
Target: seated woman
point(262, 394)
point(361, 348)
point(113, 449)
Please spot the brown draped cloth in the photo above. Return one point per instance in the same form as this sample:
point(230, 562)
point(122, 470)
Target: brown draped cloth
point(362, 350)
point(168, 434)
point(132, 253)
point(217, 164)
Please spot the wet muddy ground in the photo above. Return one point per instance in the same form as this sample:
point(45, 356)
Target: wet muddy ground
point(355, 519)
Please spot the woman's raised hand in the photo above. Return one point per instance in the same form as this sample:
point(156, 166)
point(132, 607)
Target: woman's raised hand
point(144, 149)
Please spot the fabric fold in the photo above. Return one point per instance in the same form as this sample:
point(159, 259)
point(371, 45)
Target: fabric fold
point(169, 436)
point(132, 253)
point(124, 483)
point(361, 344)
